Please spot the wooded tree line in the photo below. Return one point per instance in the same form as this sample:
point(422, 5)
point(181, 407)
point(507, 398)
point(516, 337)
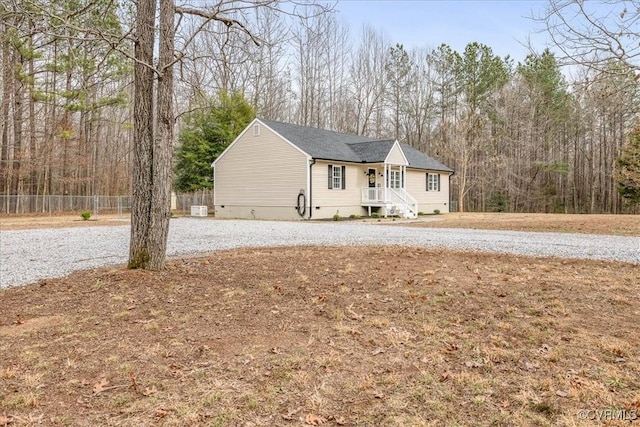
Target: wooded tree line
point(520, 134)
point(65, 101)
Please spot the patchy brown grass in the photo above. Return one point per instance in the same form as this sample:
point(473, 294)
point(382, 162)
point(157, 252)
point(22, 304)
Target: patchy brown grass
point(364, 336)
point(623, 225)
point(24, 222)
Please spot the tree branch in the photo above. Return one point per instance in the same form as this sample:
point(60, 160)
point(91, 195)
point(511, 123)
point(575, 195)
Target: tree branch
point(215, 16)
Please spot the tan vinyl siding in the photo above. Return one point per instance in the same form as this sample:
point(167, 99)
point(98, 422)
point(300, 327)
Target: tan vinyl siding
point(395, 156)
point(337, 201)
point(428, 201)
point(259, 172)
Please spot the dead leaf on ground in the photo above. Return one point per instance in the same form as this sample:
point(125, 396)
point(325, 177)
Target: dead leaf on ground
point(100, 386)
point(354, 316)
point(562, 393)
point(134, 381)
point(340, 421)
point(290, 415)
point(314, 420)
point(148, 391)
point(4, 420)
point(544, 349)
point(450, 347)
point(163, 412)
point(444, 376)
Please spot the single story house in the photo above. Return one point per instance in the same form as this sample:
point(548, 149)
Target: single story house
point(276, 170)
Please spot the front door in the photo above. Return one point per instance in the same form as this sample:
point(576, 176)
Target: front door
point(372, 184)
point(372, 178)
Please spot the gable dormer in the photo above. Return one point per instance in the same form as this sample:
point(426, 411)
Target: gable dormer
point(396, 156)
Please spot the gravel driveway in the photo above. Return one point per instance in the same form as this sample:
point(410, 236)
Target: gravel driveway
point(29, 255)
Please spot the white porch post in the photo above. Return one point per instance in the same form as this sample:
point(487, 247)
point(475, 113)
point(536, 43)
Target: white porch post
point(384, 181)
point(386, 195)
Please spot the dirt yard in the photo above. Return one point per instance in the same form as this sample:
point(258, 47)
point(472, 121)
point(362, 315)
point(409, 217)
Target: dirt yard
point(23, 222)
point(313, 336)
point(621, 225)
point(329, 336)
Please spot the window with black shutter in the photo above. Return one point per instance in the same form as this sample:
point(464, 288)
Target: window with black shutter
point(337, 177)
point(433, 182)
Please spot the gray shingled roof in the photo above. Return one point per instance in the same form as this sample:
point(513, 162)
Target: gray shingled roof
point(419, 160)
point(372, 151)
point(329, 145)
point(319, 143)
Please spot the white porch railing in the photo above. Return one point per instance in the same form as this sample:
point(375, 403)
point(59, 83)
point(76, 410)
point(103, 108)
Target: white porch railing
point(403, 201)
point(373, 195)
point(391, 198)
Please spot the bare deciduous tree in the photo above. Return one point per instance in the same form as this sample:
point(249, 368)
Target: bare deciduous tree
point(594, 33)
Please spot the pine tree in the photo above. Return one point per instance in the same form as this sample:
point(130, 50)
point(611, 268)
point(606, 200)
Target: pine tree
point(208, 132)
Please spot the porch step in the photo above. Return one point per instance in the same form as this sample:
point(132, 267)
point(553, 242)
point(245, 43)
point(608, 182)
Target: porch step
point(401, 212)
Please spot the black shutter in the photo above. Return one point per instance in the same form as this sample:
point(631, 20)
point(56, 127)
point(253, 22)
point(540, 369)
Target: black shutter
point(438, 175)
point(402, 179)
point(330, 177)
point(427, 183)
point(344, 177)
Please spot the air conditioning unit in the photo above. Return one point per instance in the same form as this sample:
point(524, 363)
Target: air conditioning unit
point(199, 211)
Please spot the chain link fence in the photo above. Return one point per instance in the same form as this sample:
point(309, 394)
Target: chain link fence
point(121, 205)
point(54, 204)
point(186, 200)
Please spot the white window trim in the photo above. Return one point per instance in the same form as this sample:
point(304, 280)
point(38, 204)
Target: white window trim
point(337, 178)
point(395, 179)
point(256, 129)
point(433, 184)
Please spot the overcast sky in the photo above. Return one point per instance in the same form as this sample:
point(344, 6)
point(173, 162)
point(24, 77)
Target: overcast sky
point(502, 25)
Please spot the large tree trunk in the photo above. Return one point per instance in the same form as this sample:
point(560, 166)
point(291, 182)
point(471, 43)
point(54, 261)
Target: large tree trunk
point(141, 227)
point(150, 210)
point(163, 142)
